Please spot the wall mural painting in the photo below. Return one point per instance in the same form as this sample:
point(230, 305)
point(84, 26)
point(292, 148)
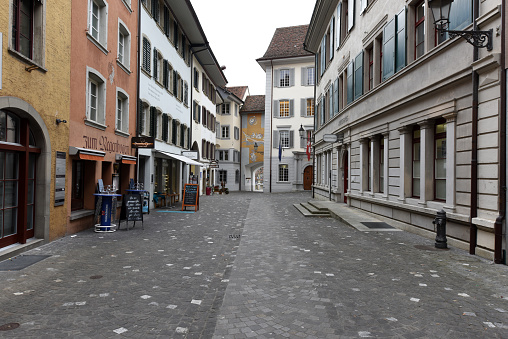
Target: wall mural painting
point(254, 134)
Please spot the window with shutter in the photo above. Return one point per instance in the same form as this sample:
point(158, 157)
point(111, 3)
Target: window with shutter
point(338, 37)
point(351, 15)
point(400, 57)
point(331, 101)
point(350, 82)
point(153, 116)
point(332, 37)
point(166, 21)
point(146, 54)
point(389, 49)
point(336, 97)
point(165, 127)
point(358, 80)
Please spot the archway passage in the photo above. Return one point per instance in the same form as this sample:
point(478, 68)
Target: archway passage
point(307, 178)
point(18, 155)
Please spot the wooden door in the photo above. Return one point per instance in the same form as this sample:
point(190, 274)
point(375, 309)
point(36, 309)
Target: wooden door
point(307, 178)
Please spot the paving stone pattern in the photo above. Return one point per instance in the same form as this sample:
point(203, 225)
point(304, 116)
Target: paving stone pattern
point(249, 265)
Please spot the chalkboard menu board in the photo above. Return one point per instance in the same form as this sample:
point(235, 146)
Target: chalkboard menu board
point(190, 196)
point(132, 208)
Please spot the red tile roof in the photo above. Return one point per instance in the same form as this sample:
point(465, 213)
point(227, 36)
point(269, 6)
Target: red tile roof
point(239, 91)
point(254, 103)
point(287, 42)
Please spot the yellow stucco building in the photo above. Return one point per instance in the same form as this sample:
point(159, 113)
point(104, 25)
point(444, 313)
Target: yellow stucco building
point(35, 38)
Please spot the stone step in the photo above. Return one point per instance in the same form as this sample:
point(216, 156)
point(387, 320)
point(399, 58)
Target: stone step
point(318, 205)
point(308, 213)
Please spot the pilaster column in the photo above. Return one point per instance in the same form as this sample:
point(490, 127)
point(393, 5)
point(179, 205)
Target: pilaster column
point(405, 175)
point(426, 162)
point(363, 164)
point(385, 163)
point(451, 122)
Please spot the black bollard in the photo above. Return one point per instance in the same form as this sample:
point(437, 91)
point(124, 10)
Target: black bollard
point(440, 222)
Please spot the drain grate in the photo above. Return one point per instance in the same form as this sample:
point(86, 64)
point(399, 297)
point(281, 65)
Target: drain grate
point(20, 262)
point(380, 224)
point(9, 326)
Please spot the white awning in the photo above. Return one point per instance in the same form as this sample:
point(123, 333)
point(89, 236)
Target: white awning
point(181, 158)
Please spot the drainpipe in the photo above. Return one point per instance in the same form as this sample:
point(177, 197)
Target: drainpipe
point(473, 229)
point(499, 258)
point(315, 114)
point(138, 103)
point(271, 127)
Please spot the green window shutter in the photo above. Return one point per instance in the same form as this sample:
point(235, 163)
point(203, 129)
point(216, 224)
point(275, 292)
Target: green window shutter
point(165, 127)
point(155, 63)
point(165, 73)
point(389, 49)
point(153, 113)
point(336, 97)
point(140, 118)
point(332, 37)
point(166, 21)
point(400, 57)
point(337, 34)
point(358, 81)
point(173, 136)
point(330, 101)
point(350, 82)
point(323, 55)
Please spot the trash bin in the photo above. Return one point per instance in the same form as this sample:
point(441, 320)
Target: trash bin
point(208, 190)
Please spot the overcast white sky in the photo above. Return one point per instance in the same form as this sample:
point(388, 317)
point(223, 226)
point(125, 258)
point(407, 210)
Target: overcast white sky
point(239, 32)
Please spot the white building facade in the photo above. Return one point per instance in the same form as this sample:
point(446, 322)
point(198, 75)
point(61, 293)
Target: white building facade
point(289, 106)
point(400, 99)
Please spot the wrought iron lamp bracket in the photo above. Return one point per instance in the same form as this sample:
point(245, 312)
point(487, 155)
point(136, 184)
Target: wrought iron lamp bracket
point(479, 39)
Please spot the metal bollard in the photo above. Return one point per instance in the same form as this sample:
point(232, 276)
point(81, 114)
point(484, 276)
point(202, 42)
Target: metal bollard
point(440, 222)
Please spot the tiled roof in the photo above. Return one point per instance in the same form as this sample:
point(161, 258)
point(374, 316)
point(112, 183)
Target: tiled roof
point(239, 91)
point(254, 103)
point(287, 42)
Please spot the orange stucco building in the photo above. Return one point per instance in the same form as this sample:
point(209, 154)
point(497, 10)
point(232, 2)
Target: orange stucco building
point(103, 103)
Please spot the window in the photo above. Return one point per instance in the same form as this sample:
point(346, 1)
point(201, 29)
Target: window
point(236, 110)
point(237, 133)
point(419, 29)
point(78, 187)
point(96, 97)
point(358, 78)
point(156, 10)
point(284, 139)
point(350, 79)
point(98, 21)
point(185, 93)
point(223, 176)
point(225, 108)
point(416, 162)
point(381, 165)
point(217, 130)
point(143, 120)
point(237, 176)
point(27, 33)
point(284, 108)
point(308, 107)
point(158, 66)
point(146, 54)
point(124, 44)
point(225, 132)
point(308, 76)
point(284, 78)
point(370, 55)
point(440, 159)
point(336, 97)
point(195, 111)
point(122, 111)
point(196, 79)
point(283, 173)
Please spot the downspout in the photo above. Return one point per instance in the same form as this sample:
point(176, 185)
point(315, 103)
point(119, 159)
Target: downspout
point(139, 108)
point(191, 104)
point(271, 127)
point(499, 258)
point(312, 137)
point(473, 229)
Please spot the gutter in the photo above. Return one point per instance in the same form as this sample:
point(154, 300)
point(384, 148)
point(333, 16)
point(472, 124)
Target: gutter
point(499, 256)
point(271, 128)
point(138, 85)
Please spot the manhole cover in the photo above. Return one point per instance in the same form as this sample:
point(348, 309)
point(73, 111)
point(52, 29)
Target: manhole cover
point(96, 277)
point(9, 326)
point(371, 224)
point(430, 248)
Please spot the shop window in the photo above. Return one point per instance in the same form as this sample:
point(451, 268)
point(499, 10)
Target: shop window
point(440, 160)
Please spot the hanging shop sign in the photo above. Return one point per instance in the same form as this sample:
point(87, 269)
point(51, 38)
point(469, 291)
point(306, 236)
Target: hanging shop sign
point(143, 142)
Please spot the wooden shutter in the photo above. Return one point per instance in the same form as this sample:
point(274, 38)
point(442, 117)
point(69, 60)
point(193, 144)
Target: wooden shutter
point(303, 107)
point(400, 42)
point(336, 97)
point(173, 135)
point(291, 108)
point(165, 127)
point(291, 77)
point(155, 65)
point(350, 82)
point(291, 139)
point(337, 34)
point(389, 49)
point(165, 70)
point(153, 117)
point(140, 118)
point(304, 76)
point(276, 108)
point(276, 78)
point(303, 142)
point(351, 15)
point(358, 81)
point(166, 21)
point(275, 139)
point(330, 96)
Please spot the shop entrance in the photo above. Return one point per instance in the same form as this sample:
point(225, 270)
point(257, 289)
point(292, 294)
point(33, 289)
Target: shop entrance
point(18, 154)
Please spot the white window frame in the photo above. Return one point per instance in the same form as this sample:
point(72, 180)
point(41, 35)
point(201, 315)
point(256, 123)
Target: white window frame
point(93, 76)
point(310, 76)
point(284, 136)
point(102, 23)
point(160, 67)
point(124, 58)
point(285, 173)
point(225, 132)
point(226, 109)
point(145, 118)
point(285, 78)
point(122, 111)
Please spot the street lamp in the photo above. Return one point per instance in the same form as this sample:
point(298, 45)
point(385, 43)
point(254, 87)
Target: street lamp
point(256, 146)
point(301, 131)
point(441, 12)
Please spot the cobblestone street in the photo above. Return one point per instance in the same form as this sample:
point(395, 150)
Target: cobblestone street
point(250, 265)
